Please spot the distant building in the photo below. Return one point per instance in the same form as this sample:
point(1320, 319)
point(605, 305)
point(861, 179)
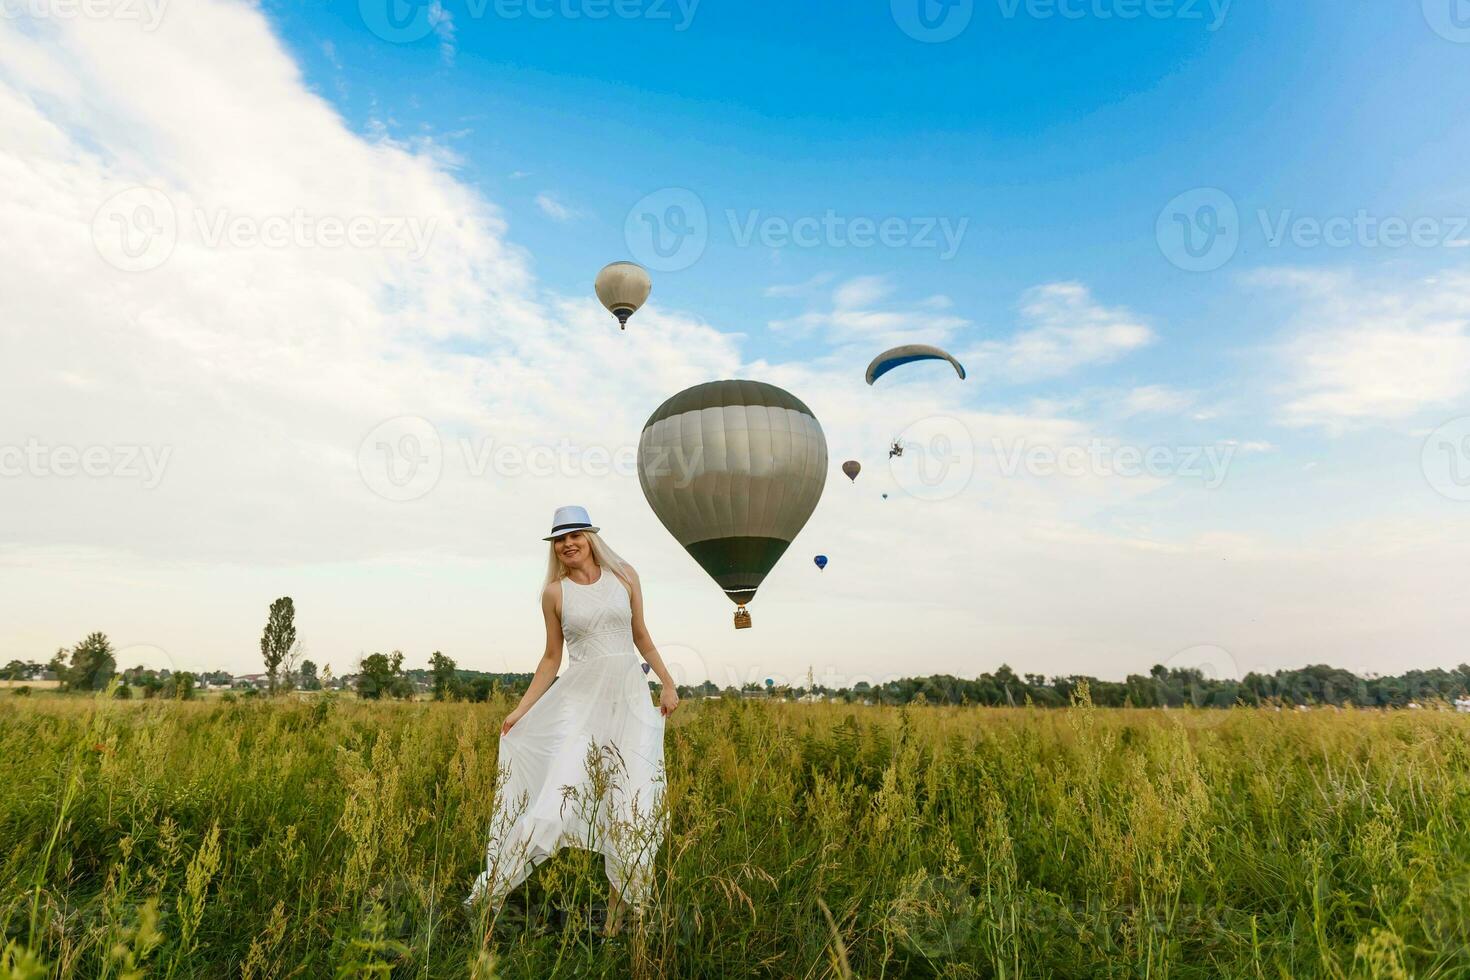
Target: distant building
point(1462, 704)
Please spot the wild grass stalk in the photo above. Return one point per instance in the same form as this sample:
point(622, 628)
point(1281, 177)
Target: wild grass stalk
point(337, 838)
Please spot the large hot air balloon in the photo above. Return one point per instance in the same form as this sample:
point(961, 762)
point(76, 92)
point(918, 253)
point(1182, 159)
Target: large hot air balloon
point(852, 468)
point(733, 469)
point(821, 562)
point(898, 356)
point(623, 287)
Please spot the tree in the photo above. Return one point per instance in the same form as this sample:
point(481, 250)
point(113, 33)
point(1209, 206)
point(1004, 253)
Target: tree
point(377, 673)
point(279, 639)
point(309, 680)
point(182, 686)
point(92, 664)
point(444, 676)
point(18, 670)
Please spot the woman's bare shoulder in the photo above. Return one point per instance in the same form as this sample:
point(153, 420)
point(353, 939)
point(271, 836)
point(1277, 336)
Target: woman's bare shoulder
point(552, 593)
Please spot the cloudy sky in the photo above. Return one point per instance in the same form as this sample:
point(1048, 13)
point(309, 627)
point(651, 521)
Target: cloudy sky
point(297, 301)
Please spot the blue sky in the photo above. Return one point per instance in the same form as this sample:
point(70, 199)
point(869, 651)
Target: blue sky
point(1067, 156)
point(1059, 140)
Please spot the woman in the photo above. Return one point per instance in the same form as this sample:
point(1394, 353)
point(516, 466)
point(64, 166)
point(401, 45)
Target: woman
point(582, 759)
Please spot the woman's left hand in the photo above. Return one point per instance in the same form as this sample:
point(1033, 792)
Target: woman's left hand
point(668, 702)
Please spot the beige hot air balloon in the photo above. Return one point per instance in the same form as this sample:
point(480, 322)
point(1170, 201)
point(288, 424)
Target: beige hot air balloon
point(623, 287)
point(733, 469)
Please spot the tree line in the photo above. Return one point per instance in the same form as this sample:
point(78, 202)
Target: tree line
point(91, 664)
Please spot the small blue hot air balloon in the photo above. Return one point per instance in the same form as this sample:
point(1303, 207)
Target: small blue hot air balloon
point(770, 683)
point(645, 668)
point(821, 561)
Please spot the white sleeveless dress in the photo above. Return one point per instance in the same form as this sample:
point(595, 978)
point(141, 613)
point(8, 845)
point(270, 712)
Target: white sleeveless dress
point(584, 767)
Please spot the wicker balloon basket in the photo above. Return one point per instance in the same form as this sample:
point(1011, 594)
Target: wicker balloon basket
point(742, 618)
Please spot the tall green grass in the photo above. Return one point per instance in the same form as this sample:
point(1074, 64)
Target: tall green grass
point(335, 838)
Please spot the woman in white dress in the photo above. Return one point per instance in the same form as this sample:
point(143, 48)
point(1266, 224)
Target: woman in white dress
point(582, 759)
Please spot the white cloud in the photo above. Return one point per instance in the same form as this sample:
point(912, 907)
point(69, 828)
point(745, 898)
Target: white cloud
point(554, 208)
point(443, 23)
point(810, 286)
point(1066, 329)
point(1361, 354)
point(860, 292)
point(1156, 400)
point(1251, 446)
point(853, 320)
point(261, 368)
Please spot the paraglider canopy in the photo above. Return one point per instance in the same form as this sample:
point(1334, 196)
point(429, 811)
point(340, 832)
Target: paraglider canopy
point(907, 354)
point(623, 287)
point(821, 561)
point(852, 468)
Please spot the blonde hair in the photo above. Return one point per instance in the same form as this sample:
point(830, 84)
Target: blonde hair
point(606, 559)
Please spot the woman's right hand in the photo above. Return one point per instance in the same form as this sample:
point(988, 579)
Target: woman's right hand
point(510, 720)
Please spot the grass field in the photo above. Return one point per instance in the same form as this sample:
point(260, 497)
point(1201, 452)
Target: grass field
point(324, 838)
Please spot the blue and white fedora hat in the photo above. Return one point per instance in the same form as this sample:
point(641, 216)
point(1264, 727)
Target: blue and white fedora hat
point(569, 519)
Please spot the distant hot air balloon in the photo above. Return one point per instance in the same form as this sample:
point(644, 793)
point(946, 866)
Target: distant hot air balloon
point(852, 468)
point(885, 496)
point(733, 469)
point(821, 561)
point(907, 354)
point(646, 668)
point(623, 287)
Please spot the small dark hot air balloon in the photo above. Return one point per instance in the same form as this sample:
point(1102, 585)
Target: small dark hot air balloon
point(821, 562)
point(852, 468)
